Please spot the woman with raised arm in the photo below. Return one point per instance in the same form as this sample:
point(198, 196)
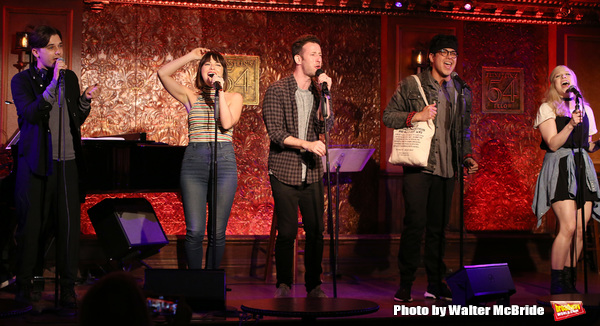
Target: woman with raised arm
point(196, 169)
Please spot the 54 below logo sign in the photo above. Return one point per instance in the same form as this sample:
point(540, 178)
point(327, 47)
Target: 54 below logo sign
point(567, 309)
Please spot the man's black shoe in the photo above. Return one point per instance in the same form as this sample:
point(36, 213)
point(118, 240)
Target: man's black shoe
point(403, 294)
point(68, 298)
point(439, 291)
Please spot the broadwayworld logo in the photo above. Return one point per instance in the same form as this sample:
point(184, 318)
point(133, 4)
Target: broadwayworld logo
point(567, 309)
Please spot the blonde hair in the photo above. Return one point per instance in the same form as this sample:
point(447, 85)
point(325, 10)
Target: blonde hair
point(551, 96)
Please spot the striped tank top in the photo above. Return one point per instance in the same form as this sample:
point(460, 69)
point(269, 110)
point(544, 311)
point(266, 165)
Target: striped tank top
point(201, 122)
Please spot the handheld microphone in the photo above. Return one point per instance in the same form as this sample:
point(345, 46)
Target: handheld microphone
point(62, 71)
point(324, 88)
point(573, 89)
point(463, 84)
point(217, 84)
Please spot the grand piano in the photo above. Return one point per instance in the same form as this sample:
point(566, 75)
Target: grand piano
point(129, 163)
point(118, 164)
point(121, 163)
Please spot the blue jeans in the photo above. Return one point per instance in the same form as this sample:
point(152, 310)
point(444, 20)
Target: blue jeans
point(196, 190)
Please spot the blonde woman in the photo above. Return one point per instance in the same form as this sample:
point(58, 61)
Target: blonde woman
point(565, 129)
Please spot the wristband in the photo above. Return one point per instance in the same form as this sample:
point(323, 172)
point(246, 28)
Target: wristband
point(409, 119)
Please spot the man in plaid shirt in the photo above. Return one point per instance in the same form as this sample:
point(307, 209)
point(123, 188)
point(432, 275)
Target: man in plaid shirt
point(294, 120)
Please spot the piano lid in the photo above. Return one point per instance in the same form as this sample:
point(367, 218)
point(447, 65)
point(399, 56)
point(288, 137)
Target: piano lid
point(130, 166)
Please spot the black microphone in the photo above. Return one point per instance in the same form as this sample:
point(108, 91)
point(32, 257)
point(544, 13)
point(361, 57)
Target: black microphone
point(324, 88)
point(217, 84)
point(573, 89)
point(61, 73)
point(454, 75)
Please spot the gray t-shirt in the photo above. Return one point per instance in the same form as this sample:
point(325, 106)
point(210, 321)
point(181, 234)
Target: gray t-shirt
point(304, 101)
point(443, 135)
point(51, 95)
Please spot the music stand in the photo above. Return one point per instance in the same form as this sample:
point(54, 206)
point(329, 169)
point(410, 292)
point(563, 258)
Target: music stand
point(344, 159)
point(348, 159)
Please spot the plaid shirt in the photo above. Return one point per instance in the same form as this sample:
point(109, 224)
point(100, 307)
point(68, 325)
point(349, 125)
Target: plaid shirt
point(280, 114)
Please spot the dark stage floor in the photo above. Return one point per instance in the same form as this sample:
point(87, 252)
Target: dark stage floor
point(379, 289)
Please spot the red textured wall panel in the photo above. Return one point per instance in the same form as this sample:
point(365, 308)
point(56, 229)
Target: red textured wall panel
point(499, 196)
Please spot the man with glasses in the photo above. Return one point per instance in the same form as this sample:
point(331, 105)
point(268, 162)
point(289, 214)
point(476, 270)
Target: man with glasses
point(428, 191)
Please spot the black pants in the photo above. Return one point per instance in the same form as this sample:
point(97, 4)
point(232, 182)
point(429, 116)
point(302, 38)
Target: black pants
point(427, 199)
point(47, 207)
point(309, 198)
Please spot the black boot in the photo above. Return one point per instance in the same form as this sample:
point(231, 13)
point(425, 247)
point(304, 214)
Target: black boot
point(68, 297)
point(23, 294)
point(570, 279)
point(557, 281)
point(37, 288)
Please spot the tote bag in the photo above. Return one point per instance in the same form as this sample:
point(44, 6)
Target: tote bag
point(410, 146)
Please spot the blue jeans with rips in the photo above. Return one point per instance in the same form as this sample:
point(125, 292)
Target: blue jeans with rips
point(196, 190)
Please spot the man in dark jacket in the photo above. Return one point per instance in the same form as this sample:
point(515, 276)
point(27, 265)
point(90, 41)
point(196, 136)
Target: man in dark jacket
point(428, 191)
point(51, 110)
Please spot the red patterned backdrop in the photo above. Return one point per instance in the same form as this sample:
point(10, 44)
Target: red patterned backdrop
point(499, 196)
point(124, 45)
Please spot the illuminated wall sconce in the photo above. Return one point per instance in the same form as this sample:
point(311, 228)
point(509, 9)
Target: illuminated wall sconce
point(98, 5)
point(419, 60)
point(468, 5)
point(21, 47)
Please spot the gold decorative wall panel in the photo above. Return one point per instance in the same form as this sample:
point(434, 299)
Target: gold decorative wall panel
point(244, 77)
point(124, 45)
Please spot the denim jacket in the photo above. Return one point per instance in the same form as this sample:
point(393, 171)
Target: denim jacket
point(407, 99)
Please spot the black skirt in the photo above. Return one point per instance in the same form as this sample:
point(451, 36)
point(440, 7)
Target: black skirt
point(562, 184)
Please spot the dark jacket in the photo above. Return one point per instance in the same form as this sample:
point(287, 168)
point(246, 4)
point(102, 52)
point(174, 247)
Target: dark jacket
point(35, 143)
point(407, 99)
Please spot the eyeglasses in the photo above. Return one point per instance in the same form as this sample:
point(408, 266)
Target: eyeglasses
point(450, 54)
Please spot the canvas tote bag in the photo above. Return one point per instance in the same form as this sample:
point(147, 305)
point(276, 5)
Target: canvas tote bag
point(410, 146)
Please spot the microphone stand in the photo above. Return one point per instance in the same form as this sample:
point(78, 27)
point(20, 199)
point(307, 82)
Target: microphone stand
point(338, 165)
point(580, 198)
point(61, 79)
point(332, 239)
point(460, 173)
point(213, 210)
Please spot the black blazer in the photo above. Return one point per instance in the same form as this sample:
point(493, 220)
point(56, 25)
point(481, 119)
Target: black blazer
point(35, 143)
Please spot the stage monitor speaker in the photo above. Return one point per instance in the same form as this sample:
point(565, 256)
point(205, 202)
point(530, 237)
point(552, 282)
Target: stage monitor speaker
point(476, 284)
point(127, 228)
point(203, 290)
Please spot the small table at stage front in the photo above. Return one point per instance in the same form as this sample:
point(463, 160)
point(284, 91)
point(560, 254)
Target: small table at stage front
point(309, 309)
